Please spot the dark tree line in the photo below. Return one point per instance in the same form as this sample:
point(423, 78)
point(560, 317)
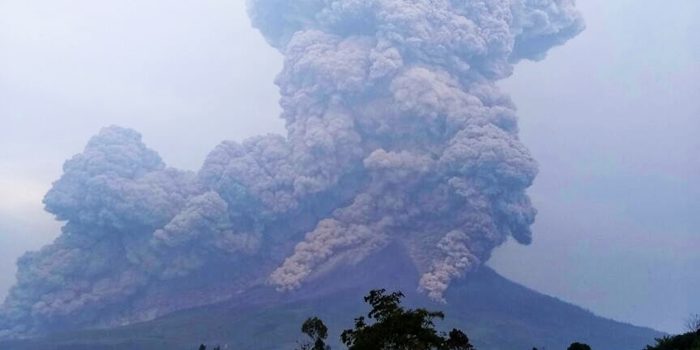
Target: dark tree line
point(687, 341)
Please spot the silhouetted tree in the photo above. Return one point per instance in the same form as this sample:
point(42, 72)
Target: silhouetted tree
point(579, 346)
point(687, 341)
point(693, 323)
point(457, 340)
point(318, 332)
point(397, 328)
point(202, 347)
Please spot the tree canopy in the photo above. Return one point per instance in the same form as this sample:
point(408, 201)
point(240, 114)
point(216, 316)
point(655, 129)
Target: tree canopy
point(579, 346)
point(687, 341)
point(317, 332)
point(390, 326)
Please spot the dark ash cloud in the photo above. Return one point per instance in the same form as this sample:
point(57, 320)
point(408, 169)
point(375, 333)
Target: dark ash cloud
point(396, 133)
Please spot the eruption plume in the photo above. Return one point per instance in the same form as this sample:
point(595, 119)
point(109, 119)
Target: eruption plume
point(396, 134)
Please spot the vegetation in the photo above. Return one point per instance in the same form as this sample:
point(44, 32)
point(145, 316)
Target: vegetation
point(579, 346)
point(687, 341)
point(693, 323)
point(389, 326)
point(318, 332)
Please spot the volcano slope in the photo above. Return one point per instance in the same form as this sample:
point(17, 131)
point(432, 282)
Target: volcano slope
point(497, 314)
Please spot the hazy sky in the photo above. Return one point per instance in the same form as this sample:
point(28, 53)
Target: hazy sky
point(612, 118)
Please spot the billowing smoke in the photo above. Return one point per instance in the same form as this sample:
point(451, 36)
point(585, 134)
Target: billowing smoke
point(404, 91)
point(397, 134)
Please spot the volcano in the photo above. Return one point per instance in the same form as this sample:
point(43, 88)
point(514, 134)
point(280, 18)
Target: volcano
point(497, 314)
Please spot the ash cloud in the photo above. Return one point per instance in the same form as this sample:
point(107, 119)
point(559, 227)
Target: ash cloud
point(415, 79)
point(396, 133)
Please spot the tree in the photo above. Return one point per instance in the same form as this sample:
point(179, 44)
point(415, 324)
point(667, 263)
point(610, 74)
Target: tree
point(458, 341)
point(693, 323)
point(579, 346)
point(318, 332)
point(687, 341)
point(396, 328)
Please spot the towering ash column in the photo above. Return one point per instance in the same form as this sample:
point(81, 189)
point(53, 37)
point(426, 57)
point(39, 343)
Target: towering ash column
point(404, 90)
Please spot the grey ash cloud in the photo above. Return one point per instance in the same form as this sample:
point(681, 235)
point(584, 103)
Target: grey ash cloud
point(396, 133)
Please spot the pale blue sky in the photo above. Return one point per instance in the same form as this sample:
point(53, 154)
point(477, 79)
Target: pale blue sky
point(612, 117)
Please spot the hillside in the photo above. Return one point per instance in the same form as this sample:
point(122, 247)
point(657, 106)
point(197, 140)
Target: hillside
point(496, 313)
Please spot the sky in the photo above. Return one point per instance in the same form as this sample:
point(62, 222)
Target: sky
point(611, 117)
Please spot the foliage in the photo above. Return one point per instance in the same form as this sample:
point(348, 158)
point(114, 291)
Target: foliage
point(687, 341)
point(392, 328)
point(317, 331)
point(579, 346)
point(693, 323)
